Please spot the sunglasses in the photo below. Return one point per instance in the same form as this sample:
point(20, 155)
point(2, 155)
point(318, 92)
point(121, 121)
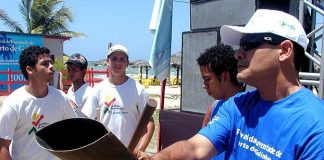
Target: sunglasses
point(251, 41)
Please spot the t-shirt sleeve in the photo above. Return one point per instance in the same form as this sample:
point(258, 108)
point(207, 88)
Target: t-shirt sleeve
point(90, 106)
point(68, 110)
point(215, 109)
point(315, 148)
point(218, 129)
point(8, 121)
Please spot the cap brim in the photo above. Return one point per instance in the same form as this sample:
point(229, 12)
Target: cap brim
point(74, 62)
point(232, 34)
point(118, 50)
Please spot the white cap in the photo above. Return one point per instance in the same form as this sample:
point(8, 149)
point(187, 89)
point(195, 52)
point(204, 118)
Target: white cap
point(117, 47)
point(267, 21)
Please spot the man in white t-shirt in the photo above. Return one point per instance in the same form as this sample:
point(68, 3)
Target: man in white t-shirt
point(32, 107)
point(121, 100)
point(80, 90)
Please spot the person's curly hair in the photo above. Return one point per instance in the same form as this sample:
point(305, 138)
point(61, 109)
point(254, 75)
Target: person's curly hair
point(29, 57)
point(220, 58)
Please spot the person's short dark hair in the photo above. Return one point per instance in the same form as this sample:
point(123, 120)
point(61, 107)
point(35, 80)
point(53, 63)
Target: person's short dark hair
point(218, 59)
point(29, 57)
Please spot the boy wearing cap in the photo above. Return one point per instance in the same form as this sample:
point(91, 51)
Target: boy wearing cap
point(32, 107)
point(121, 99)
point(280, 119)
point(78, 93)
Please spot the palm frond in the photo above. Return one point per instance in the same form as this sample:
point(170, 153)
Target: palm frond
point(58, 21)
point(42, 17)
point(13, 25)
point(53, 3)
point(65, 13)
point(24, 9)
point(71, 34)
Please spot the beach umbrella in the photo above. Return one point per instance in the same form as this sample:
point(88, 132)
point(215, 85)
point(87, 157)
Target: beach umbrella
point(176, 63)
point(141, 64)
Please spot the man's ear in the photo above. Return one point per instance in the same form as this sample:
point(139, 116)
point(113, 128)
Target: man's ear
point(225, 76)
point(29, 69)
point(286, 50)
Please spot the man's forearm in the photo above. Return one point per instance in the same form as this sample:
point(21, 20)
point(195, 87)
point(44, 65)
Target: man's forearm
point(146, 138)
point(179, 150)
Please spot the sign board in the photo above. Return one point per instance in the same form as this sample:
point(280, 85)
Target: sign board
point(11, 46)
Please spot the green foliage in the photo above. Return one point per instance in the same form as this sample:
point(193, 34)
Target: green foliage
point(46, 17)
point(59, 64)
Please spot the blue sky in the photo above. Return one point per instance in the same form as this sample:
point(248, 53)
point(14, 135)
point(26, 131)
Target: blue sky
point(117, 21)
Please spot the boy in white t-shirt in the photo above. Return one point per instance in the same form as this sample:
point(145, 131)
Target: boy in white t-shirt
point(80, 90)
point(32, 107)
point(121, 100)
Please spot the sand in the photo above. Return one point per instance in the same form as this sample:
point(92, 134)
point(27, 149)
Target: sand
point(172, 95)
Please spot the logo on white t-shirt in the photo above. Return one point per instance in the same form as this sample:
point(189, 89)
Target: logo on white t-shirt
point(108, 103)
point(37, 124)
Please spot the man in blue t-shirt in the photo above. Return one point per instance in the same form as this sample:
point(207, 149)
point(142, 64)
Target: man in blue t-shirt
point(280, 119)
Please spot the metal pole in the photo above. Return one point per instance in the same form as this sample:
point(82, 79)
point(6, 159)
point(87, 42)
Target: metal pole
point(301, 12)
point(312, 40)
point(321, 86)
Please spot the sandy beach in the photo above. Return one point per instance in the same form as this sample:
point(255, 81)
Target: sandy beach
point(172, 95)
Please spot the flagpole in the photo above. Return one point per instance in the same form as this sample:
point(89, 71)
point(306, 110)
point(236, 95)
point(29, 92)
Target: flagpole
point(161, 108)
point(162, 94)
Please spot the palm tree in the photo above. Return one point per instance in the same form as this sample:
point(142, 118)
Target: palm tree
point(41, 17)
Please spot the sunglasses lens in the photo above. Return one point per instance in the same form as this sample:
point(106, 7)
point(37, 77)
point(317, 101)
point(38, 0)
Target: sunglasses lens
point(248, 44)
point(251, 41)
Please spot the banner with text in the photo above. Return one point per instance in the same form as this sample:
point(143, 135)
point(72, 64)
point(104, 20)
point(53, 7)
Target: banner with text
point(11, 46)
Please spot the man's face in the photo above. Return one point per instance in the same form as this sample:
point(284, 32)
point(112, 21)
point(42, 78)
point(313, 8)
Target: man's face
point(43, 70)
point(257, 63)
point(75, 73)
point(118, 63)
point(212, 83)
